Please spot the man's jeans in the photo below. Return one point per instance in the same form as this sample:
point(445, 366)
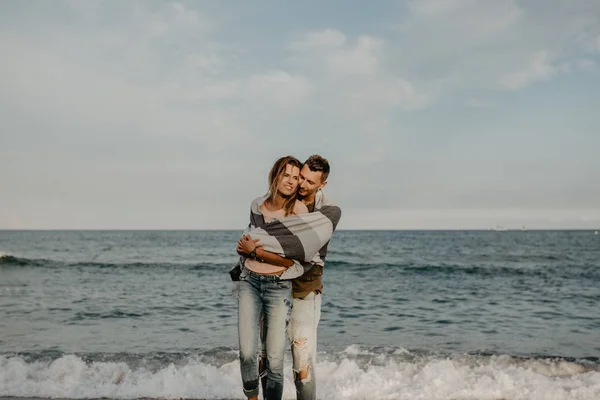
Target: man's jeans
point(271, 296)
point(306, 314)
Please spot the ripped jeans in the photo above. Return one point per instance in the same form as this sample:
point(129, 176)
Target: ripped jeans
point(269, 298)
point(306, 314)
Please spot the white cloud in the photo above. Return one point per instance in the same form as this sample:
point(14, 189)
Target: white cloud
point(332, 52)
point(207, 62)
point(352, 81)
point(320, 40)
point(361, 59)
point(278, 88)
point(216, 91)
point(275, 89)
point(487, 44)
point(354, 72)
point(538, 68)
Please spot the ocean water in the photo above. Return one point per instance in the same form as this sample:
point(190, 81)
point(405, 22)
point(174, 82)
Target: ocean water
point(406, 315)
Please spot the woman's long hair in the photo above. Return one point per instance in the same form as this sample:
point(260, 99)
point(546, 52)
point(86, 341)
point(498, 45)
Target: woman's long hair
point(275, 177)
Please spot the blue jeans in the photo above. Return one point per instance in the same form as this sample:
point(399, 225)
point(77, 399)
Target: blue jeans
point(304, 321)
point(269, 297)
point(305, 318)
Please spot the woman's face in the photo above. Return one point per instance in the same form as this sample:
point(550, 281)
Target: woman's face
point(288, 181)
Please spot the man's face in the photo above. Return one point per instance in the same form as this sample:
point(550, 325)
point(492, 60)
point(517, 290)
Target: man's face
point(288, 183)
point(310, 181)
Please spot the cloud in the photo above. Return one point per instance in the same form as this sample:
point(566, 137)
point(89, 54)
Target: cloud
point(332, 52)
point(278, 88)
point(361, 59)
point(538, 68)
point(356, 70)
point(352, 81)
point(319, 40)
point(486, 44)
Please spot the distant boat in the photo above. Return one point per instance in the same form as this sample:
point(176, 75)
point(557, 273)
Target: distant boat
point(524, 228)
point(499, 228)
point(595, 232)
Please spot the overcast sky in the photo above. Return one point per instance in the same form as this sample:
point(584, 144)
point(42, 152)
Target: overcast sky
point(168, 115)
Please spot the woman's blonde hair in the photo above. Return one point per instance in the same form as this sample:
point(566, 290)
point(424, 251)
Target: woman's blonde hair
point(275, 176)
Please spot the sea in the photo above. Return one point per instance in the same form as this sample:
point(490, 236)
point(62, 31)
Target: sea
point(479, 315)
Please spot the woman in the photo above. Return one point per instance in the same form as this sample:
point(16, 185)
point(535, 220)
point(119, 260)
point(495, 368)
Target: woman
point(261, 291)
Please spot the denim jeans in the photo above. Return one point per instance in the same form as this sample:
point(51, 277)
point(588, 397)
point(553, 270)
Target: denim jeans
point(306, 314)
point(268, 297)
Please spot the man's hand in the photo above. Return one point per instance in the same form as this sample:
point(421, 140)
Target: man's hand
point(246, 245)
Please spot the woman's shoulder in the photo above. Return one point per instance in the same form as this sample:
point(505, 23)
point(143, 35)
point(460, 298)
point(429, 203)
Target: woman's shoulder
point(257, 203)
point(300, 208)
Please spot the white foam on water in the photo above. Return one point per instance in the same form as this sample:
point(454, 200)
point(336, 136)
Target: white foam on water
point(466, 377)
point(355, 350)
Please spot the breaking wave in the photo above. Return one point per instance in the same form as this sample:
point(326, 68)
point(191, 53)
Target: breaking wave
point(355, 373)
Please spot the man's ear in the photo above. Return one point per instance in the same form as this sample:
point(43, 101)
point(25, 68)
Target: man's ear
point(322, 185)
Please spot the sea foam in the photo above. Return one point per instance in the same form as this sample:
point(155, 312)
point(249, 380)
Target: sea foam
point(339, 377)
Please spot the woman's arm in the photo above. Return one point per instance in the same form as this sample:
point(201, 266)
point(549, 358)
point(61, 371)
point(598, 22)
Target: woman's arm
point(273, 259)
point(247, 245)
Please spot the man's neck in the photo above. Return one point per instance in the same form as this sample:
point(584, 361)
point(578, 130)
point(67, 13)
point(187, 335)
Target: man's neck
point(309, 202)
point(310, 199)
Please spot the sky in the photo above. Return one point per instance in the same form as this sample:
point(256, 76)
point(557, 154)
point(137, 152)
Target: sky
point(434, 114)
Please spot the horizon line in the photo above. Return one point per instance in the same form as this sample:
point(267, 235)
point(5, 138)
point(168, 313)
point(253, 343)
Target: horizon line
point(337, 230)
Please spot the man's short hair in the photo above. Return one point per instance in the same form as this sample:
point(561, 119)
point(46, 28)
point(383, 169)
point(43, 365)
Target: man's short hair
point(317, 163)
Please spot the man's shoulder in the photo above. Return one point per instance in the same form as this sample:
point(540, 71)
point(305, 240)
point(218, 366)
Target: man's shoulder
point(322, 200)
point(329, 209)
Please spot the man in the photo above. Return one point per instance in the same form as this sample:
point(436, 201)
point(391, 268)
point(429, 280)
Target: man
point(307, 289)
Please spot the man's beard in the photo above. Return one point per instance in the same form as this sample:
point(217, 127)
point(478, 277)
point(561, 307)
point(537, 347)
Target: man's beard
point(303, 196)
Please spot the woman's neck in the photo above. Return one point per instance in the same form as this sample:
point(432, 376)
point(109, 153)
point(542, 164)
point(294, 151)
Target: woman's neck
point(275, 203)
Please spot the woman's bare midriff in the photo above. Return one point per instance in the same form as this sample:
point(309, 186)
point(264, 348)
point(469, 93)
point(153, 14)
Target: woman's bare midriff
point(262, 268)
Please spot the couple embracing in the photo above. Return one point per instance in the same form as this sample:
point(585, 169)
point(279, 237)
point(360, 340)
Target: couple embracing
point(279, 277)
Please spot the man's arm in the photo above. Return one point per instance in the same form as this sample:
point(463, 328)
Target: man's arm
point(247, 245)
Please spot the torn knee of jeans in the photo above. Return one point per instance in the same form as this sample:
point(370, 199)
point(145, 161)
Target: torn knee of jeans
point(301, 357)
point(303, 375)
point(300, 342)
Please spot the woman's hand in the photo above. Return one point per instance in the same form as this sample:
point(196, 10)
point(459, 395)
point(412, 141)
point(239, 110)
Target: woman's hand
point(247, 245)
